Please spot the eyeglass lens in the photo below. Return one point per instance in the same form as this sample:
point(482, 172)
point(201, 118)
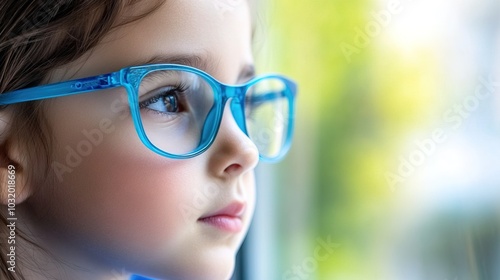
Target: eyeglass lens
point(177, 110)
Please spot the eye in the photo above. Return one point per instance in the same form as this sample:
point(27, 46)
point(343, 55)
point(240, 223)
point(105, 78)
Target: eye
point(253, 101)
point(165, 101)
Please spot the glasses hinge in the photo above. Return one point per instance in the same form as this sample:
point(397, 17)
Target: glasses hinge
point(100, 82)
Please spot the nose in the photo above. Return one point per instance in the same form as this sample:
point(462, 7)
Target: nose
point(232, 152)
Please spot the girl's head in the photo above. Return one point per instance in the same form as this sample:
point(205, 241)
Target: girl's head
point(93, 196)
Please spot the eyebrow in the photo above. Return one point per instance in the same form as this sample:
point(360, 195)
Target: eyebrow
point(196, 61)
point(204, 63)
point(247, 73)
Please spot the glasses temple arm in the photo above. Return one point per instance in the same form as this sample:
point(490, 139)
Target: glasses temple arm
point(66, 88)
point(261, 98)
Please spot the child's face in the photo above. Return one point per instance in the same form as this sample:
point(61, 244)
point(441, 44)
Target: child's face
point(115, 203)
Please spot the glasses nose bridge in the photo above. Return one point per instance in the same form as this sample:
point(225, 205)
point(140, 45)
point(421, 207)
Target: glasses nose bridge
point(232, 92)
point(237, 96)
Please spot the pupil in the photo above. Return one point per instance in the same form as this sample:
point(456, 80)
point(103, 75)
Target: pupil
point(170, 103)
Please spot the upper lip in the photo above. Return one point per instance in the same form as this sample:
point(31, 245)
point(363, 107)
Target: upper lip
point(234, 209)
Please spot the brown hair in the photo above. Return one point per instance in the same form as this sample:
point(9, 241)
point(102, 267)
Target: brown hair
point(35, 38)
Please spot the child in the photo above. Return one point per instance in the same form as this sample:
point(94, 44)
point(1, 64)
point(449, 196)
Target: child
point(130, 131)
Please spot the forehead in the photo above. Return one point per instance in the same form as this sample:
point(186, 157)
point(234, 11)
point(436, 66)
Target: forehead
point(216, 31)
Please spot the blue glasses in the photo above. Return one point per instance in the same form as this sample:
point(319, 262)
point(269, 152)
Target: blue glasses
point(177, 109)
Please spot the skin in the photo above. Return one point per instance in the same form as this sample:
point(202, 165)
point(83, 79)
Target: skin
point(124, 208)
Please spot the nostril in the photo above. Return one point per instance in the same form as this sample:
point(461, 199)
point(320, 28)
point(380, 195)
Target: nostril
point(233, 168)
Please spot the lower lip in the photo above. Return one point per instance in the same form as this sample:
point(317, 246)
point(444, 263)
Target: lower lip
point(226, 223)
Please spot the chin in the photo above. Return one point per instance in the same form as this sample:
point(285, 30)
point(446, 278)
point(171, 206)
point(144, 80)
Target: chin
point(217, 265)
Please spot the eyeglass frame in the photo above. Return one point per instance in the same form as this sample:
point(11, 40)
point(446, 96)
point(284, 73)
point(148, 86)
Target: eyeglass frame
point(131, 77)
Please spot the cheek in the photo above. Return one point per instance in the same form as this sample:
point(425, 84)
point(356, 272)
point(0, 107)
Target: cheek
point(119, 195)
point(131, 189)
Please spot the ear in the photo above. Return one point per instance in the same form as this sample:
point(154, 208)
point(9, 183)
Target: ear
point(14, 187)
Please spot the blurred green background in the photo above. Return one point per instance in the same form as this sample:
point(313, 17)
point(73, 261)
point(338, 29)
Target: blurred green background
point(394, 155)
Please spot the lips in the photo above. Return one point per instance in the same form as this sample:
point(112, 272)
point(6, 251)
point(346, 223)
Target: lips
point(226, 219)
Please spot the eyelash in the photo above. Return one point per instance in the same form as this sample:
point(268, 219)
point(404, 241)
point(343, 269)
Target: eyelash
point(177, 90)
